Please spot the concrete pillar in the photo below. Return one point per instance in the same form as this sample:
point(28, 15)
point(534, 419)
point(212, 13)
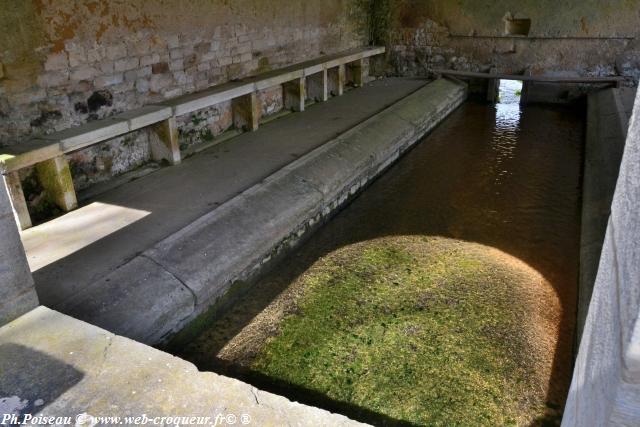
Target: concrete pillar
point(18, 202)
point(338, 77)
point(317, 86)
point(164, 142)
point(526, 88)
point(55, 177)
point(356, 69)
point(246, 111)
point(295, 94)
point(17, 292)
point(492, 86)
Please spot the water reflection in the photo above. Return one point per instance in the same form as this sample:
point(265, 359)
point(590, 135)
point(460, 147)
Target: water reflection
point(504, 138)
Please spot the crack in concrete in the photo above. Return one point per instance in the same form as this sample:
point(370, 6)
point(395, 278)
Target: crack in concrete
point(255, 395)
point(191, 291)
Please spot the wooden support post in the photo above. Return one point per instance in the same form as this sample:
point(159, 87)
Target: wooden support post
point(18, 202)
point(356, 69)
point(294, 94)
point(492, 86)
point(338, 77)
point(55, 177)
point(246, 111)
point(164, 142)
point(317, 86)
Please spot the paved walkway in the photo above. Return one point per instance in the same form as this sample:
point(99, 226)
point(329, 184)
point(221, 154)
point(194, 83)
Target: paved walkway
point(52, 365)
point(77, 249)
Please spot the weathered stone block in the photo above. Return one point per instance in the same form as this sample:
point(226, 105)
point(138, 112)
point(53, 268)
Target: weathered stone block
point(116, 51)
point(56, 61)
point(55, 177)
point(105, 81)
point(126, 64)
point(17, 293)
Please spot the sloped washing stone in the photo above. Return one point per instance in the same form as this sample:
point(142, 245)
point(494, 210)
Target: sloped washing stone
point(237, 240)
point(152, 301)
point(225, 245)
point(54, 365)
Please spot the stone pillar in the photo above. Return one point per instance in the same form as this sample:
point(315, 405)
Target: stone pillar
point(18, 202)
point(246, 112)
point(294, 94)
point(317, 86)
point(493, 86)
point(55, 177)
point(17, 291)
point(164, 142)
point(357, 70)
point(338, 77)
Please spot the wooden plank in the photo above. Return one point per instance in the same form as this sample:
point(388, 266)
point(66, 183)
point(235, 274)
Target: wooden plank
point(550, 79)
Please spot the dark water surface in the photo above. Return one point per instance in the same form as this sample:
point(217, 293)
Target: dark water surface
point(496, 175)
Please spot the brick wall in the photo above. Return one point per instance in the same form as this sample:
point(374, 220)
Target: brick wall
point(67, 62)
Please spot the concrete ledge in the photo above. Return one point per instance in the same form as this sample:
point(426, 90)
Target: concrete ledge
point(605, 389)
point(234, 242)
point(54, 365)
point(608, 114)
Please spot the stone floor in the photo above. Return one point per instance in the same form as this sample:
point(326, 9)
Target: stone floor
point(55, 366)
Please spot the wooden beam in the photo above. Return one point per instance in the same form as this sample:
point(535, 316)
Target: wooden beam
point(549, 79)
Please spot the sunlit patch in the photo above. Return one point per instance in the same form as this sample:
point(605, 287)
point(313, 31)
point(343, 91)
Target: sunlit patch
point(69, 233)
point(505, 134)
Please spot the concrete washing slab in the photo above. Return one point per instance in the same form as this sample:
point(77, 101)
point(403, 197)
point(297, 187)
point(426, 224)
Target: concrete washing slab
point(223, 215)
point(66, 371)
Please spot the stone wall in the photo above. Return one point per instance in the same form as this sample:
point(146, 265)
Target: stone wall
point(67, 62)
point(605, 389)
point(573, 37)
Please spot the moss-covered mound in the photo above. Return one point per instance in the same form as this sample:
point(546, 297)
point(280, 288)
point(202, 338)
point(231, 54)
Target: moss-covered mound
point(429, 331)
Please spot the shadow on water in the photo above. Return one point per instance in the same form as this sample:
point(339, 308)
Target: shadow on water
point(496, 175)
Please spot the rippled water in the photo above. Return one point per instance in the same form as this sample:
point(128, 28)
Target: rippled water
point(493, 174)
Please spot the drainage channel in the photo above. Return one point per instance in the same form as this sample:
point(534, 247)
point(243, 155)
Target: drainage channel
point(445, 293)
